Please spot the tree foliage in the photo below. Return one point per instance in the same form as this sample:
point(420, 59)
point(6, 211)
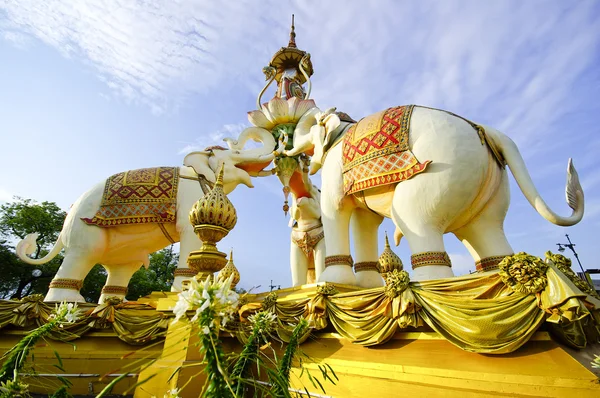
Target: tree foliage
point(158, 277)
point(17, 219)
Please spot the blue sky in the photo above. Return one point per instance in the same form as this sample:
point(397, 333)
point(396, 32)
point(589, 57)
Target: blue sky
point(88, 89)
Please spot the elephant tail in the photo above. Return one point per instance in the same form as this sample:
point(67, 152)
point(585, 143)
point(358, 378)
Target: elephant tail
point(514, 160)
point(28, 246)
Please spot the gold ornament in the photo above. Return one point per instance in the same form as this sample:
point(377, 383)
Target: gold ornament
point(389, 261)
point(564, 265)
point(397, 282)
point(285, 167)
point(229, 270)
point(213, 216)
point(523, 273)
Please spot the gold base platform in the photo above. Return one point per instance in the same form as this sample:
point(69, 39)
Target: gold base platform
point(421, 363)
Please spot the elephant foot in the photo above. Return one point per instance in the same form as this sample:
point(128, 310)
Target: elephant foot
point(60, 295)
point(104, 296)
point(428, 272)
point(338, 274)
point(369, 279)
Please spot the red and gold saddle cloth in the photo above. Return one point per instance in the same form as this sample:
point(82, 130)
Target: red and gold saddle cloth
point(138, 197)
point(375, 151)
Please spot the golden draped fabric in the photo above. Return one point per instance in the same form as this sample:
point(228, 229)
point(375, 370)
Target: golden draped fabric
point(477, 313)
point(133, 323)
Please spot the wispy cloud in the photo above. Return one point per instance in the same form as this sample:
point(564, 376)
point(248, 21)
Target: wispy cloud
point(5, 196)
point(214, 138)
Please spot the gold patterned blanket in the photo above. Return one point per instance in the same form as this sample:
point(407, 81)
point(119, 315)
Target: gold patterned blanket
point(138, 197)
point(375, 151)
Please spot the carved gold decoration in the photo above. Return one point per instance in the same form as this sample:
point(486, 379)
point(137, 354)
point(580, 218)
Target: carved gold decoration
point(397, 282)
point(327, 290)
point(524, 273)
point(488, 263)
point(388, 260)
point(65, 283)
point(214, 209)
point(229, 270)
point(213, 216)
point(269, 301)
point(285, 167)
point(339, 260)
point(430, 258)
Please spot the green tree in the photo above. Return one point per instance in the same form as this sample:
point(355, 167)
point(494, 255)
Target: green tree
point(17, 219)
point(158, 276)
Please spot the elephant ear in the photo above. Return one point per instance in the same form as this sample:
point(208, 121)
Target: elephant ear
point(199, 162)
point(332, 122)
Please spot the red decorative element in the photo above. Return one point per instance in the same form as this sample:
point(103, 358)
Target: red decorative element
point(430, 258)
point(488, 263)
point(138, 197)
point(375, 151)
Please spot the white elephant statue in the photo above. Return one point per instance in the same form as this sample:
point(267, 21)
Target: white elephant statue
point(123, 248)
point(307, 248)
point(431, 172)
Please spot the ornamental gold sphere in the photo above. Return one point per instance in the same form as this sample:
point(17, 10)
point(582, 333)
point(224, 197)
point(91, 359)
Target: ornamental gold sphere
point(214, 208)
point(389, 261)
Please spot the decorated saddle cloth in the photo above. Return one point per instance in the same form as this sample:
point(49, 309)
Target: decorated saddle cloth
point(375, 151)
point(138, 197)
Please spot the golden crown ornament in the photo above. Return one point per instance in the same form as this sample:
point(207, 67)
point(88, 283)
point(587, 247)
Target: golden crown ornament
point(213, 216)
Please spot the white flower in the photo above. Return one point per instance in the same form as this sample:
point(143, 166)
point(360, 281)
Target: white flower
point(206, 330)
point(65, 313)
point(209, 296)
point(279, 111)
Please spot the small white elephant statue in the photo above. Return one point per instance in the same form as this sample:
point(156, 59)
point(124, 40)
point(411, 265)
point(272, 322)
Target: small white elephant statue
point(122, 249)
point(440, 173)
point(307, 249)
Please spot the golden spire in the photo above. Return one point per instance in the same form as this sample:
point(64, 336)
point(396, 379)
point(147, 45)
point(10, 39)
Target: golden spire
point(230, 269)
point(292, 42)
point(389, 261)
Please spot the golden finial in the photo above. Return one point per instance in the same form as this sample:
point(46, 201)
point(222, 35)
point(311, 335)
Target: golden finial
point(220, 175)
point(292, 42)
point(389, 261)
point(230, 269)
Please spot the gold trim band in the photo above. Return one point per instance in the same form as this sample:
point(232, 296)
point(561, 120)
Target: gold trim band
point(185, 272)
point(65, 283)
point(340, 259)
point(488, 263)
point(111, 289)
point(430, 258)
point(366, 266)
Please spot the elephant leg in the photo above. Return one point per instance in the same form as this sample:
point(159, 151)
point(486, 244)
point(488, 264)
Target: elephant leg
point(319, 254)
point(117, 281)
point(68, 280)
point(426, 243)
point(299, 265)
point(336, 223)
point(188, 243)
point(365, 225)
point(484, 236)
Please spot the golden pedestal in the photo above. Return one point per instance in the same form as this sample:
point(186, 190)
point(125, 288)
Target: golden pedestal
point(421, 363)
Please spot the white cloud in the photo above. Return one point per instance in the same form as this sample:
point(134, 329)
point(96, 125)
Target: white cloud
point(214, 138)
point(5, 196)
